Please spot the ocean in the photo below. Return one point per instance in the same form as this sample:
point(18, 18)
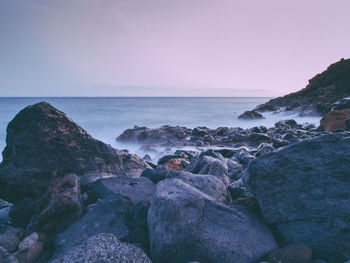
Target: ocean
point(106, 118)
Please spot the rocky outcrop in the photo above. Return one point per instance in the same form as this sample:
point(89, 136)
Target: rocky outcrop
point(336, 120)
point(250, 115)
point(303, 191)
point(202, 137)
point(103, 248)
point(187, 225)
point(43, 144)
point(317, 98)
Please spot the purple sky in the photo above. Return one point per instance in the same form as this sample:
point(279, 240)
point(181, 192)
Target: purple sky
point(168, 47)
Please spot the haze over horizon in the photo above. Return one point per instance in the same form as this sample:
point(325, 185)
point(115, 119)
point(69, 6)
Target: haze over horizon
point(168, 48)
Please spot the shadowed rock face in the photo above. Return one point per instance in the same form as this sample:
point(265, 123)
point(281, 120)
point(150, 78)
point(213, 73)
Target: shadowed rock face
point(318, 96)
point(44, 144)
point(303, 190)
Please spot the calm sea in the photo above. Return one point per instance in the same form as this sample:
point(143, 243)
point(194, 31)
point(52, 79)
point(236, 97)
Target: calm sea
point(106, 118)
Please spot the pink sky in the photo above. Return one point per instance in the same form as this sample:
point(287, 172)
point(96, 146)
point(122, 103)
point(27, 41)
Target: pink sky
point(168, 47)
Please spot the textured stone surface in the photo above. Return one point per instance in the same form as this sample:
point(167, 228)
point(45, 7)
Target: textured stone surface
point(335, 120)
point(187, 225)
point(104, 248)
point(303, 191)
point(206, 183)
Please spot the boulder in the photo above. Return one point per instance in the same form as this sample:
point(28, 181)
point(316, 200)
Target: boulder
point(296, 253)
point(176, 164)
point(121, 211)
point(251, 115)
point(206, 183)
point(303, 191)
point(155, 175)
point(286, 124)
point(210, 165)
point(133, 189)
point(43, 144)
point(11, 239)
point(103, 248)
point(187, 225)
point(31, 249)
point(62, 205)
point(335, 120)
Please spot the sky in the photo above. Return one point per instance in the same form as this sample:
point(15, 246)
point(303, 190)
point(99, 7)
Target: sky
point(262, 48)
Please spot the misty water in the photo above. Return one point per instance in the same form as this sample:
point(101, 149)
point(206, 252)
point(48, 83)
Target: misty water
point(106, 118)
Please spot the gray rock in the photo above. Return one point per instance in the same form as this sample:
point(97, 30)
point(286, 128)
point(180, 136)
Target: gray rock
point(104, 248)
point(28, 241)
point(303, 190)
point(122, 212)
point(11, 238)
point(210, 165)
point(5, 212)
point(206, 183)
point(251, 115)
point(6, 257)
point(187, 225)
point(155, 175)
point(135, 189)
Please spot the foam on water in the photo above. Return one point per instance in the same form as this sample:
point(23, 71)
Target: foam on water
point(106, 118)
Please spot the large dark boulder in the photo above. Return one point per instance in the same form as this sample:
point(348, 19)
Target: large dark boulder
point(187, 225)
point(44, 144)
point(304, 192)
point(104, 248)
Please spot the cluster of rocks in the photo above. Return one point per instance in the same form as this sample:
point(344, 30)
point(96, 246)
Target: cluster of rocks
point(79, 200)
point(282, 134)
point(317, 98)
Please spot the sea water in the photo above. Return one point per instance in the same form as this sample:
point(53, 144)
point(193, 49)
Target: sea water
point(106, 118)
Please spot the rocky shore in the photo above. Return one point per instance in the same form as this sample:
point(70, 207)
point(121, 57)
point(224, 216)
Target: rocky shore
point(317, 98)
point(279, 194)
